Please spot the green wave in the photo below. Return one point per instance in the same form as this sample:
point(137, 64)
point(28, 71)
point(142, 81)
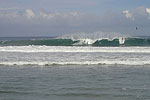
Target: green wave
point(137, 42)
point(127, 42)
point(51, 42)
point(106, 42)
point(70, 42)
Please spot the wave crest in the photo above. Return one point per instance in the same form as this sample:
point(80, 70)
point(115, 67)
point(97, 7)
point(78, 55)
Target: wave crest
point(84, 39)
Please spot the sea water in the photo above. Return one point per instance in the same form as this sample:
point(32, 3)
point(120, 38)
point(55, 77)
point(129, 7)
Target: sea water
point(75, 82)
point(41, 72)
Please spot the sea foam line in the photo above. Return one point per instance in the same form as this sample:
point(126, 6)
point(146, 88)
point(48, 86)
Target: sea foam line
point(29, 49)
point(78, 63)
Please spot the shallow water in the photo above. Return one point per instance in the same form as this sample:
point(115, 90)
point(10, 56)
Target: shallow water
point(58, 55)
point(75, 82)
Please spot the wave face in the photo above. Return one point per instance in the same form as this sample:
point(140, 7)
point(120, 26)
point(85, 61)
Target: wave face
point(73, 55)
point(51, 42)
point(80, 42)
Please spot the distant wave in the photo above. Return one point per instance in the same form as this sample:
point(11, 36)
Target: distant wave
point(100, 39)
point(50, 42)
point(80, 42)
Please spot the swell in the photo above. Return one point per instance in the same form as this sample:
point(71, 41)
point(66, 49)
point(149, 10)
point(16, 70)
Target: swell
point(51, 42)
point(126, 42)
point(80, 42)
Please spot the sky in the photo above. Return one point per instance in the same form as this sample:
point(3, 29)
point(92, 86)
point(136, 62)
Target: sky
point(59, 17)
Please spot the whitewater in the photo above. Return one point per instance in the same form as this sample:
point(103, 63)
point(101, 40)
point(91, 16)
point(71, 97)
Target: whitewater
point(99, 48)
point(75, 68)
point(72, 55)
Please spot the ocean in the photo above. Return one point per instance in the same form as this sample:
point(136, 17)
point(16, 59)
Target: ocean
point(74, 69)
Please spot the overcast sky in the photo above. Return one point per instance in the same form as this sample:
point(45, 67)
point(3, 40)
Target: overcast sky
point(58, 17)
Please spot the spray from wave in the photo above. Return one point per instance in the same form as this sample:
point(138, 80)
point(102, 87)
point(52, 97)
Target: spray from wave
point(95, 35)
point(83, 39)
point(91, 38)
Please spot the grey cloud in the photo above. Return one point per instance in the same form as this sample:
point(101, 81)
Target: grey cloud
point(14, 8)
point(147, 10)
point(128, 15)
point(38, 23)
point(140, 13)
point(50, 5)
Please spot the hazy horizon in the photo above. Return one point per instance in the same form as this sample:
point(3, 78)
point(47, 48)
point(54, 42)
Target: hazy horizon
point(35, 18)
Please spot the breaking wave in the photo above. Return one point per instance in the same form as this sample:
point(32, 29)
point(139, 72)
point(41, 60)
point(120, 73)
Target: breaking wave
point(81, 42)
point(83, 39)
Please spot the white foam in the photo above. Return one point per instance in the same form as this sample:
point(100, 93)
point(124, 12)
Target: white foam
point(90, 38)
point(121, 40)
point(78, 63)
point(61, 55)
point(85, 42)
point(74, 49)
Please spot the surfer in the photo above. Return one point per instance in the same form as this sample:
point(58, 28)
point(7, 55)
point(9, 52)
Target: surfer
point(136, 28)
